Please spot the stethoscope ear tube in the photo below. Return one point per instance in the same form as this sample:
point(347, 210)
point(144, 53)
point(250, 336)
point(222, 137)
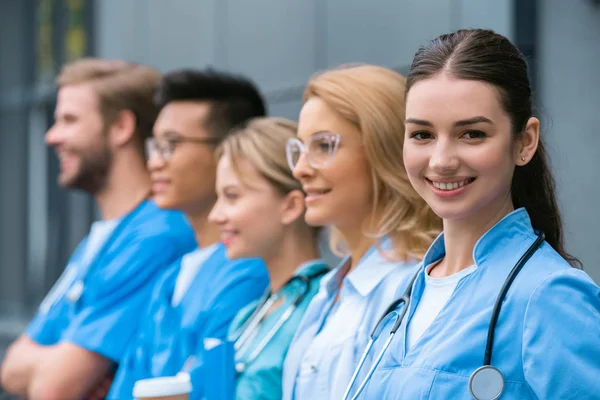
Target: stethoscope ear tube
point(404, 299)
point(487, 359)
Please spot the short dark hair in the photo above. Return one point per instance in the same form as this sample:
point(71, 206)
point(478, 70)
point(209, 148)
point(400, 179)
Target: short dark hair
point(485, 56)
point(234, 99)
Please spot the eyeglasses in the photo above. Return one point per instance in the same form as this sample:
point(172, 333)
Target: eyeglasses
point(319, 149)
point(166, 146)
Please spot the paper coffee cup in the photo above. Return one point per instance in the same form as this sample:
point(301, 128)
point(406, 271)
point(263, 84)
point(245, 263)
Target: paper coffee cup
point(164, 388)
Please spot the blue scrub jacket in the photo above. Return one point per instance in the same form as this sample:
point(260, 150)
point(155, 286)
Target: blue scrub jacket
point(117, 283)
point(547, 340)
point(171, 336)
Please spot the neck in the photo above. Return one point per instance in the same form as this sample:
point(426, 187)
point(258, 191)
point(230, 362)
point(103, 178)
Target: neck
point(127, 184)
point(358, 245)
point(294, 249)
point(206, 233)
point(460, 237)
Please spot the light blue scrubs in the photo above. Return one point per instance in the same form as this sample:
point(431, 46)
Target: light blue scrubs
point(100, 302)
point(332, 335)
point(261, 378)
point(170, 335)
point(547, 341)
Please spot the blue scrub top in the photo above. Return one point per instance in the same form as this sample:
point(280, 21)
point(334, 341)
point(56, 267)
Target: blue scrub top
point(547, 340)
point(170, 335)
point(261, 378)
point(114, 287)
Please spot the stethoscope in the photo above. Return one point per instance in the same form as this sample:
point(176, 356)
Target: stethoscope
point(486, 382)
point(252, 325)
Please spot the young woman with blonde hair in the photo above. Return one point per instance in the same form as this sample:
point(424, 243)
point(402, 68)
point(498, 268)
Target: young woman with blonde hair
point(348, 158)
point(260, 212)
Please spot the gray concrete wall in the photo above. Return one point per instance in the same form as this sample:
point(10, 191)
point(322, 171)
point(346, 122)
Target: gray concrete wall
point(570, 108)
point(281, 43)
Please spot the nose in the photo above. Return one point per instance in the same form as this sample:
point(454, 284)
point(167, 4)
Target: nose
point(302, 169)
point(155, 161)
point(54, 136)
point(444, 158)
point(217, 216)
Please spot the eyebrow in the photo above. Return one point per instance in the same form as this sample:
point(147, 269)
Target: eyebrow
point(463, 122)
point(230, 187)
point(313, 134)
point(169, 134)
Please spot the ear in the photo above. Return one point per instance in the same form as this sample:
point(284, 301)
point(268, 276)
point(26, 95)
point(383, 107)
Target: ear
point(122, 130)
point(292, 207)
point(528, 142)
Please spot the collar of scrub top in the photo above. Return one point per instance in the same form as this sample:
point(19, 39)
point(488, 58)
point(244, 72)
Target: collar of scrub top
point(369, 272)
point(490, 249)
point(494, 241)
point(311, 269)
point(246, 333)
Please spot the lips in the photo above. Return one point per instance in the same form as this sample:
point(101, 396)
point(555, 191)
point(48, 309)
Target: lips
point(227, 237)
point(316, 191)
point(314, 194)
point(66, 160)
point(159, 185)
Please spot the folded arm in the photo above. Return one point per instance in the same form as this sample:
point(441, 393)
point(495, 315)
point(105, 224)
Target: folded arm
point(63, 371)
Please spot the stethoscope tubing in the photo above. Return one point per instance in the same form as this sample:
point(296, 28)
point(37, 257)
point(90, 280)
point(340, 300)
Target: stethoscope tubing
point(404, 299)
point(251, 328)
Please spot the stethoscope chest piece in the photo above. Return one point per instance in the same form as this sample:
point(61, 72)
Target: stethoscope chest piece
point(486, 383)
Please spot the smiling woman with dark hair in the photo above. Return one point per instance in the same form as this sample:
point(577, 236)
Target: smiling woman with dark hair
point(496, 310)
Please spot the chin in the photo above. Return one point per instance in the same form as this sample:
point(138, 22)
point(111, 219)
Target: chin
point(452, 212)
point(315, 218)
point(234, 254)
point(164, 202)
point(68, 180)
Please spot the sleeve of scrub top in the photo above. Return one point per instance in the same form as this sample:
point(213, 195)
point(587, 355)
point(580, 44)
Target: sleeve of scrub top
point(248, 284)
point(561, 337)
point(214, 323)
point(106, 322)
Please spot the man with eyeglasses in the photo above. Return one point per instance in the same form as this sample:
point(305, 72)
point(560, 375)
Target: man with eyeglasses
point(104, 112)
point(201, 294)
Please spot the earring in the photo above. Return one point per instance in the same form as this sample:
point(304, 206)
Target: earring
point(522, 158)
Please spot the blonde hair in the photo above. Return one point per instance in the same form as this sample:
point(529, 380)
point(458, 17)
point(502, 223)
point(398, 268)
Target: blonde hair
point(120, 85)
point(262, 142)
point(372, 99)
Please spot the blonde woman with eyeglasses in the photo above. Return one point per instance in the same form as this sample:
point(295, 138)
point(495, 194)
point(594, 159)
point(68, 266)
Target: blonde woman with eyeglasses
point(348, 157)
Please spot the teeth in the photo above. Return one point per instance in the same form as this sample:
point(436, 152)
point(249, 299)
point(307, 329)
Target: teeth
point(450, 185)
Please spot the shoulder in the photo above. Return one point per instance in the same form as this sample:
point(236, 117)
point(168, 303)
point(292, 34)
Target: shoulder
point(547, 268)
point(553, 289)
point(230, 271)
point(152, 220)
point(155, 232)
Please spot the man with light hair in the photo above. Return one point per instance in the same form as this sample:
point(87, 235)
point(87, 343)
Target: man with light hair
point(104, 113)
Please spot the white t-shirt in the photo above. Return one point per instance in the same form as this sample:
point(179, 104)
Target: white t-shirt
point(190, 265)
point(436, 294)
point(99, 234)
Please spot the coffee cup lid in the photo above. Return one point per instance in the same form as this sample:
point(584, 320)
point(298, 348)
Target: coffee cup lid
point(164, 386)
